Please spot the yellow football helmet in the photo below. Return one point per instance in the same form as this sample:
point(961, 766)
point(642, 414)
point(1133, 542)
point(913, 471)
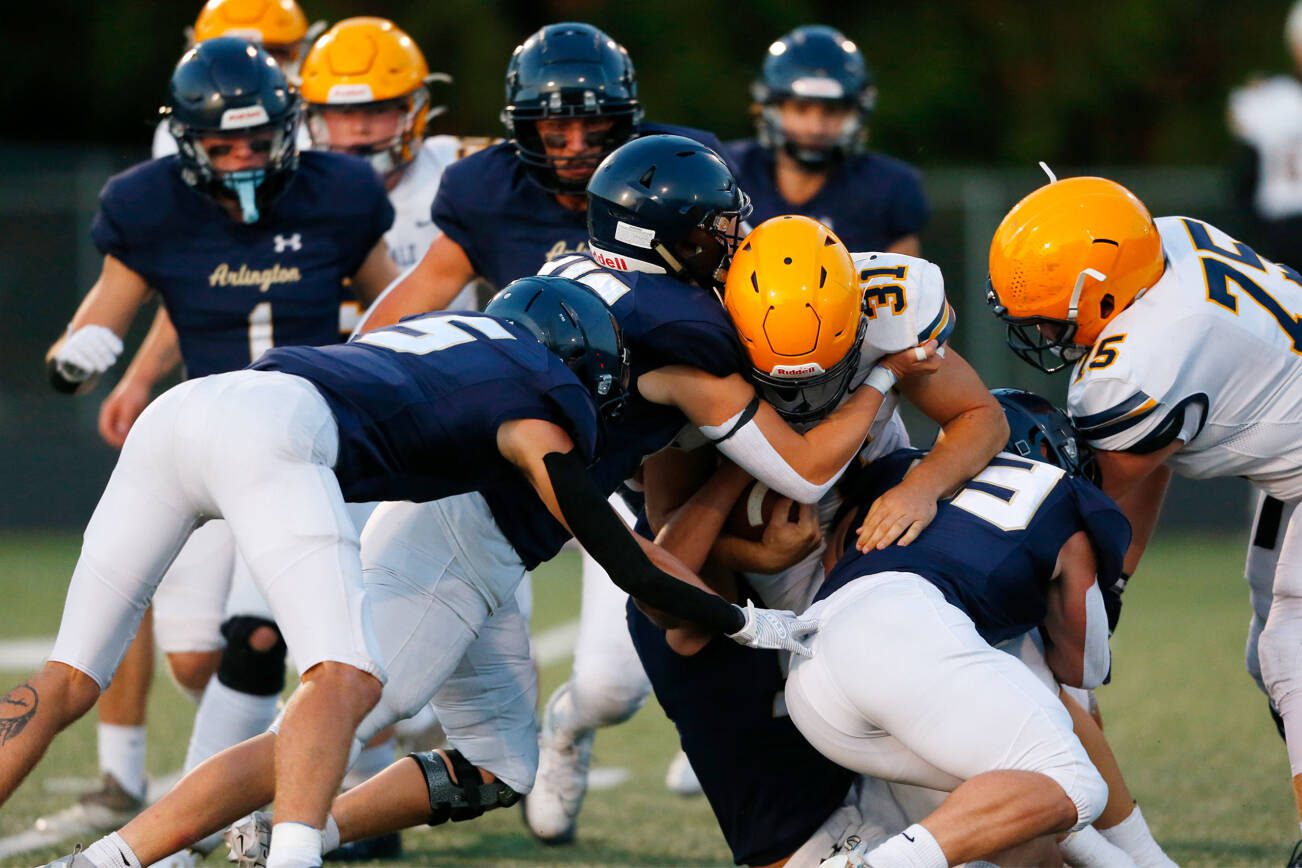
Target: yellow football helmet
point(794, 298)
point(278, 25)
point(1064, 261)
point(368, 64)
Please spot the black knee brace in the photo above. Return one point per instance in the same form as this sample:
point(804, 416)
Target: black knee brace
point(463, 801)
point(258, 673)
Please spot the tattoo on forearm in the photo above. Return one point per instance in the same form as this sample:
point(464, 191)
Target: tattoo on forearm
point(17, 708)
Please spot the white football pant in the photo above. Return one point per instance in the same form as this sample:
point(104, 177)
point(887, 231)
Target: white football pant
point(255, 448)
point(902, 687)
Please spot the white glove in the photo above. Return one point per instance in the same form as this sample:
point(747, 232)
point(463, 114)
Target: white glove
point(775, 629)
point(89, 351)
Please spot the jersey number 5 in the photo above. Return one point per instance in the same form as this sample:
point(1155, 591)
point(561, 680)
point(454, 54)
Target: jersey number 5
point(1009, 491)
point(421, 336)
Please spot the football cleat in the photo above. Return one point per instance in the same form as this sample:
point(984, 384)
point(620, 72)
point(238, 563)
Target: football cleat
point(551, 810)
point(249, 840)
point(102, 810)
point(681, 778)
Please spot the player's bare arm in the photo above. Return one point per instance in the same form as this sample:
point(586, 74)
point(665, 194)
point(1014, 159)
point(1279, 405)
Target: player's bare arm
point(1138, 484)
point(377, 271)
point(93, 340)
point(1075, 623)
point(431, 285)
point(973, 428)
point(159, 354)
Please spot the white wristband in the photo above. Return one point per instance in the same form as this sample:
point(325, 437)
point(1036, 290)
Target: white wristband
point(881, 378)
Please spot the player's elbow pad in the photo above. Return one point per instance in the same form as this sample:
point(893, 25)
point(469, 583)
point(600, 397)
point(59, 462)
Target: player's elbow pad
point(742, 441)
point(1098, 656)
point(600, 531)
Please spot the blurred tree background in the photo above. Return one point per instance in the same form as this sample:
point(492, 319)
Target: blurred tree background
point(991, 82)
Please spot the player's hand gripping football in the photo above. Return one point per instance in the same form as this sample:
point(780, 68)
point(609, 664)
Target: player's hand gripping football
point(776, 630)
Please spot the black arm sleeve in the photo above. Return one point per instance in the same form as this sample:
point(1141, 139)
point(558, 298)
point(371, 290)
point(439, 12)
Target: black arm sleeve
point(611, 544)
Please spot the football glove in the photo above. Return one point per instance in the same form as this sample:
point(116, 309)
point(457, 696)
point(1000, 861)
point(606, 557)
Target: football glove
point(775, 629)
point(89, 351)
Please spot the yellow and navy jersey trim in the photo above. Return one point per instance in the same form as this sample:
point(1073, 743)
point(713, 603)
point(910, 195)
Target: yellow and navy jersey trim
point(940, 328)
point(1117, 418)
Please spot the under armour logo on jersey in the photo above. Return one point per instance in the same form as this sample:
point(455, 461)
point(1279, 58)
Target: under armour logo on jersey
point(293, 242)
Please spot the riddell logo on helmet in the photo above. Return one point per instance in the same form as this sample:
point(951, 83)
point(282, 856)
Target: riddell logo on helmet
point(350, 93)
point(618, 263)
point(796, 371)
point(240, 118)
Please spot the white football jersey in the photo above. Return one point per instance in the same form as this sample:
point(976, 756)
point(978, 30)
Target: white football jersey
point(1212, 355)
point(1268, 116)
point(904, 300)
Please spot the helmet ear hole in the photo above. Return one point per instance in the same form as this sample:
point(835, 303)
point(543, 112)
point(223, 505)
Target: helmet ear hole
point(1107, 304)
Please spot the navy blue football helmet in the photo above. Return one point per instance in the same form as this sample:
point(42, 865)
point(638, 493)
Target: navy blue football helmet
point(575, 324)
point(228, 86)
point(816, 63)
point(666, 205)
point(1039, 430)
point(565, 71)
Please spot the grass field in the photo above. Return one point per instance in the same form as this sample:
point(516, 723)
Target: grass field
point(1189, 727)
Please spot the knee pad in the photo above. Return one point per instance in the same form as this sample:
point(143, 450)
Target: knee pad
point(466, 800)
point(244, 669)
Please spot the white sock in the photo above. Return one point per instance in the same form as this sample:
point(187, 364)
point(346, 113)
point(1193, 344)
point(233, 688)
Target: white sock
point(1086, 848)
point(226, 717)
point(294, 845)
point(330, 837)
point(1134, 837)
point(122, 754)
point(111, 852)
point(912, 848)
point(370, 762)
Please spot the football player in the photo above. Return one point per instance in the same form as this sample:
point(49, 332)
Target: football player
point(230, 234)
point(477, 409)
point(905, 683)
point(813, 101)
point(1184, 349)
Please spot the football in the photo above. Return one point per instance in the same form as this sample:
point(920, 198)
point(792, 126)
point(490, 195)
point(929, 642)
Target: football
point(750, 515)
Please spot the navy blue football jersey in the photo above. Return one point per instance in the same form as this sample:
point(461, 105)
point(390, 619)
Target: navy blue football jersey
point(769, 789)
point(419, 403)
point(870, 201)
point(508, 225)
point(993, 546)
point(234, 290)
point(665, 322)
